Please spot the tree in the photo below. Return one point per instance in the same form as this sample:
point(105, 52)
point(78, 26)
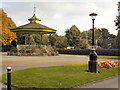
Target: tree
point(118, 39)
point(35, 39)
point(7, 24)
point(98, 36)
point(105, 33)
point(108, 40)
point(103, 39)
point(73, 36)
point(54, 39)
point(59, 41)
point(76, 39)
point(117, 22)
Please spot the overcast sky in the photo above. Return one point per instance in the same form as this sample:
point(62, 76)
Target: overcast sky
point(62, 14)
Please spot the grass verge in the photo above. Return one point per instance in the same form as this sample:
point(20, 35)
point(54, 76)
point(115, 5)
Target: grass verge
point(109, 57)
point(66, 76)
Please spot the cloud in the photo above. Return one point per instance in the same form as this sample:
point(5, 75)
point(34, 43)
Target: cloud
point(62, 14)
point(93, 7)
point(58, 16)
point(60, 1)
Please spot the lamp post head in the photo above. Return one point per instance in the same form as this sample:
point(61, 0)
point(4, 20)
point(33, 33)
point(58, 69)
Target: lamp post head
point(93, 15)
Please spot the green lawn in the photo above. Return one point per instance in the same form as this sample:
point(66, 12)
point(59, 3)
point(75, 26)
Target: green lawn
point(65, 76)
point(109, 57)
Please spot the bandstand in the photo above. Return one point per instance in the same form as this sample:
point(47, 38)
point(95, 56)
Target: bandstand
point(24, 32)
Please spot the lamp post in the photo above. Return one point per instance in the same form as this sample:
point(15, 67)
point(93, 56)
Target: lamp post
point(93, 65)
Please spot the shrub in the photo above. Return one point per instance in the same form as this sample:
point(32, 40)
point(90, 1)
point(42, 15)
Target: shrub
point(28, 51)
point(21, 51)
point(110, 52)
point(6, 48)
point(34, 50)
point(13, 49)
point(74, 51)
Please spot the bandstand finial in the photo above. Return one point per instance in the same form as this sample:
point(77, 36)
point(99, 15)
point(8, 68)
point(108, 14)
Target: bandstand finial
point(34, 18)
point(34, 8)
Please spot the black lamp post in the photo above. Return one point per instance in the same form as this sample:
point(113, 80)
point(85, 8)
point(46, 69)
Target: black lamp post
point(93, 65)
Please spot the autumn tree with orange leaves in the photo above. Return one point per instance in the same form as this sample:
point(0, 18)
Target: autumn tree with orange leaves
point(6, 24)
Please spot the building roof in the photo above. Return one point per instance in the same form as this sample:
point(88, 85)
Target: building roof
point(34, 19)
point(34, 26)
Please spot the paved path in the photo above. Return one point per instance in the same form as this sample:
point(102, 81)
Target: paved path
point(40, 61)
point(22, 62)
point(111, 82)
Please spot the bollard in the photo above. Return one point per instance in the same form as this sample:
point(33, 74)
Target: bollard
point(8, 78)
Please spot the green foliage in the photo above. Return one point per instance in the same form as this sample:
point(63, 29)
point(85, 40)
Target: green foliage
point(54, 39)
point(108, 40)
point(59, 41)
point(98, 36)
point(105, 33)
point(21, 51)
point(73, 36)
point(103, 39)
point(45, 40)
point(74, 51)
point(32, 40)
point(28, 51)
point(13, 49)
point(109, 52)
point(76, 39)
point(118, 40)
point(35, 50)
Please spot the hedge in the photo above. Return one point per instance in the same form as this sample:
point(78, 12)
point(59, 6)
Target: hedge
point(110, 52)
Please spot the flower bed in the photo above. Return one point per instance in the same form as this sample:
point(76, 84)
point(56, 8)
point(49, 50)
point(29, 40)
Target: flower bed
point(108, 64)
point(42, 51)
point(35, 53)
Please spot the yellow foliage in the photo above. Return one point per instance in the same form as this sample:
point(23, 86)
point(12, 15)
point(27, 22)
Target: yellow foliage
point(7, 24)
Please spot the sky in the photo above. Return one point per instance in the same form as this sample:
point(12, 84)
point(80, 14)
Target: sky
point(62, 14)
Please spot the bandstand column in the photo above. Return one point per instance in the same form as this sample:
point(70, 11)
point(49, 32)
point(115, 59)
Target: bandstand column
point(28, 38)
point(50, 39)
point(41, 38)
point(25, 34)
point(17, 38)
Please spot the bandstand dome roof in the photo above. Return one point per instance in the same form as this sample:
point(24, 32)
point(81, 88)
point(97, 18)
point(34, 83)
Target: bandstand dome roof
point(33, 26)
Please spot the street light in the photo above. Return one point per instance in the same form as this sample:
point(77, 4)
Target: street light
point(93, 65)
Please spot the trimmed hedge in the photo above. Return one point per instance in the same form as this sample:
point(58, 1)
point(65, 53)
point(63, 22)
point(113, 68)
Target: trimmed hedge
point(110, 52)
